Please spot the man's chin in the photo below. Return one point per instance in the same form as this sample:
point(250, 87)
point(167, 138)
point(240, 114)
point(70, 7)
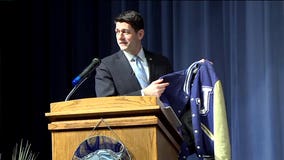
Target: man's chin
point(123, 48)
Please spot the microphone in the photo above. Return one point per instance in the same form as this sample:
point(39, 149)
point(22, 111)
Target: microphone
point(83, 76)
point(95, 62)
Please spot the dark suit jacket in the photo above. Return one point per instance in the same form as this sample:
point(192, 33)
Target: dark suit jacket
point(115, 77)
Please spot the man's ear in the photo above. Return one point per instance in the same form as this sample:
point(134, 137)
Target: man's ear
point(140, 34)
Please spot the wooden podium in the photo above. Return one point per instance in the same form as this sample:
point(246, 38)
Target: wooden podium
point(143, 126)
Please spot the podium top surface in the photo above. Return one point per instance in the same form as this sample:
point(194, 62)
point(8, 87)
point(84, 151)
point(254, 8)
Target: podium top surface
point(104, 103)
point(104, 106)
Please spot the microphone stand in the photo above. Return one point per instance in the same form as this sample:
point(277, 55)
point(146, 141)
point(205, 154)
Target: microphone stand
point(84, 75)
point(75, 88)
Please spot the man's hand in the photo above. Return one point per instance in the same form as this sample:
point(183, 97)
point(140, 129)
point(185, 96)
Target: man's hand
point(156, 88)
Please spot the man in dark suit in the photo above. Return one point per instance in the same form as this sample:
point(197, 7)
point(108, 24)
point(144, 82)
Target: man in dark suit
point(116, 76)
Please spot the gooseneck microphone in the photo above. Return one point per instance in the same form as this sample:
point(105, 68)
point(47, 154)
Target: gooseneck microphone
point(77, 81)
point(95, 62)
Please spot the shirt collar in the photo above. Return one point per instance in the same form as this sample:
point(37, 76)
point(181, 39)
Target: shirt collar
point(130, 56)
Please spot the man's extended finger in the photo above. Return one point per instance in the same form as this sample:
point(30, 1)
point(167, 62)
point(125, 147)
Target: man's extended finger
point(157, 81)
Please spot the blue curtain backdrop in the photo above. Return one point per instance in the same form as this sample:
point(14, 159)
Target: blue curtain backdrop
point(45, 44)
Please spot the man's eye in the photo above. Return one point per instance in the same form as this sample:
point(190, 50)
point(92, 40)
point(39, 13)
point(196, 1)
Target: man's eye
point(126, 32)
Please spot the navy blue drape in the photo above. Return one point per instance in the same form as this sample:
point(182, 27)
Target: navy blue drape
point(45, 44)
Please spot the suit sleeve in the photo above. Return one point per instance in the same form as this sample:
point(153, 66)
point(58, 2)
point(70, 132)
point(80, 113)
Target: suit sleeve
point(104, 82)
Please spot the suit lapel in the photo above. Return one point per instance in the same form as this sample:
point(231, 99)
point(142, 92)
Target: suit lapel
point(123, 64)
point(125, 71)
point(151, 65)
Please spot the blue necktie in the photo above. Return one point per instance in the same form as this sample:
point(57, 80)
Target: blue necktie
point(140, 72)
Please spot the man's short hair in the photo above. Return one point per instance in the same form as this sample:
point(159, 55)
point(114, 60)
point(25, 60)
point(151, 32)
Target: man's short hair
point(131, 17)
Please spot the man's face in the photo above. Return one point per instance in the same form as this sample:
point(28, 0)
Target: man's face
point(127, 39)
